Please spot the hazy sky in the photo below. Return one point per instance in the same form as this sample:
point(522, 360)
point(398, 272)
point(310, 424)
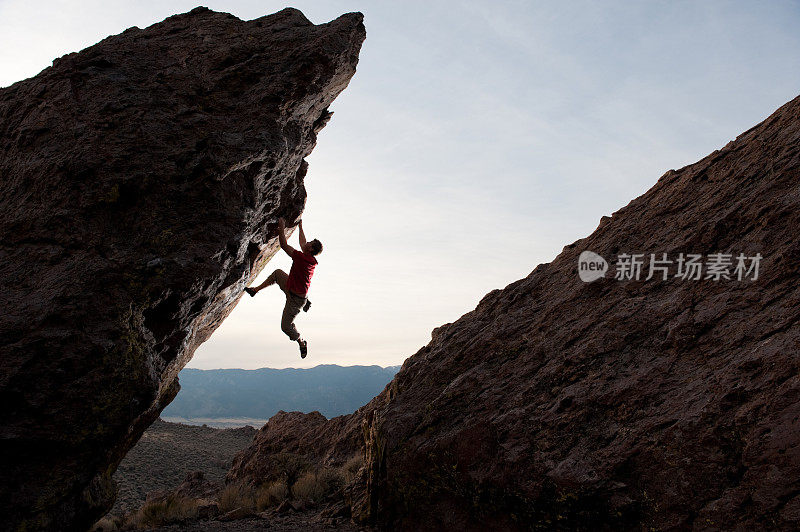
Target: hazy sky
point(475, 141)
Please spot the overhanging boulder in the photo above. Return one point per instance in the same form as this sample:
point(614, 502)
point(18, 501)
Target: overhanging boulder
point(141, 180)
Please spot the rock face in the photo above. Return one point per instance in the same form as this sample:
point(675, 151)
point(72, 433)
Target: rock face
point(141, 183)
point(310, 436)
point(617, 404)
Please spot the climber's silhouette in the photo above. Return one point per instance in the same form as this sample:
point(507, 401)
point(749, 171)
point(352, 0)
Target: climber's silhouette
point(295, 285)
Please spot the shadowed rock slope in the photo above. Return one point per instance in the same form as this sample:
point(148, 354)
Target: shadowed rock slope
point(557, 404)
point(141, 180)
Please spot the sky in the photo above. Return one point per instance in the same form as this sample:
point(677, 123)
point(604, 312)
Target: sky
point(475, 141)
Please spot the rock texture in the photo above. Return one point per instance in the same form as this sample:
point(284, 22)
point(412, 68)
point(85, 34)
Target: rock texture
point(612, 405)
point(141, 180)
point(311, 437)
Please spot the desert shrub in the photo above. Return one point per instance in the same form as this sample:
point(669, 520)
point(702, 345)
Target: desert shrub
point(332, 479)
point(308, 487)
point(290, 466)
point(172, 509)
point(235, 496)
point(271, 495)
point(350, 468)
point(315, 486)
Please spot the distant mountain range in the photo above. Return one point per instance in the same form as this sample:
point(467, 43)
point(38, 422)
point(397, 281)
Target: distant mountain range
point(258, 394)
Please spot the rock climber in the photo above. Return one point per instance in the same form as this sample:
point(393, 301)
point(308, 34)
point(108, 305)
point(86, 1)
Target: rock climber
point(295, 284)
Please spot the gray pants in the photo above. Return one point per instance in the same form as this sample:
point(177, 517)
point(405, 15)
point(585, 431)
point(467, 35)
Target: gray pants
point(294, 304)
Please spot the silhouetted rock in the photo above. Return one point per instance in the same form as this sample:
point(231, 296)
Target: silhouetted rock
point(617, 404)
point(142, 179)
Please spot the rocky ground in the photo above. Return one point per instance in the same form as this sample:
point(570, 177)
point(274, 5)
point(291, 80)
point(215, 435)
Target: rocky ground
point(167, 459)
point(167, 452)
point(288, 523)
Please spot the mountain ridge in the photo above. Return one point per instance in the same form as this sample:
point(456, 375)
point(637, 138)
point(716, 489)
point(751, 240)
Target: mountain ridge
point(261, 393)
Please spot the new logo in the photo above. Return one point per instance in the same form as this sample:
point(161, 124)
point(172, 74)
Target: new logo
point(591, 266)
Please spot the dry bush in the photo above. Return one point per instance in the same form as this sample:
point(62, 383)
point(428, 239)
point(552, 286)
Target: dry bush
point(315, 486)
point(235, 496)
point(172, 509)
point(107, 524)
point(332, 479)
point(290, 466)
point(350, 468)
point(308, 487)
point(271, 495)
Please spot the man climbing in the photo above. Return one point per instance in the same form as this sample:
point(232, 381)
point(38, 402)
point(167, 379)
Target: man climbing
point(295, 285)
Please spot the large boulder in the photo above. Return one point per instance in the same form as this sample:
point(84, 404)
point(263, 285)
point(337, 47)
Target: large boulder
point(141, 180)
point(303, 439)
point(608, 405)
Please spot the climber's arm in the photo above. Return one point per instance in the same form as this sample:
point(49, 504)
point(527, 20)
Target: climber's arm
point(282, 238)
point(302, 234)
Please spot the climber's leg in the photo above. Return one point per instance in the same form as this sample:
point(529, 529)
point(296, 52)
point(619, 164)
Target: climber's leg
point(290, 311)
point(278, 276)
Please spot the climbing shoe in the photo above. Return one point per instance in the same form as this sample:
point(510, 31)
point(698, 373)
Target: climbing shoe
point(303, 348)
point(307, 305)
point(250, 291)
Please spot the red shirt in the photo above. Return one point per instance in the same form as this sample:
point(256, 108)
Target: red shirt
point(300, 275)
